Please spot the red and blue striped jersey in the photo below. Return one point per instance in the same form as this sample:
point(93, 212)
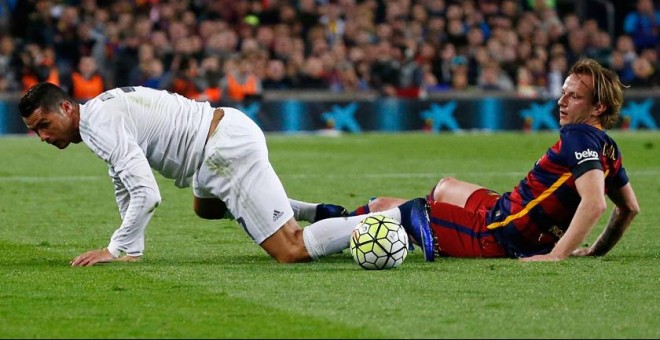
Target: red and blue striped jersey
point(530, 219)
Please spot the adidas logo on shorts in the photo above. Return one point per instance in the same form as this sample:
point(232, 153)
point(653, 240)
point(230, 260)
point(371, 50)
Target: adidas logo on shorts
point(277, 214)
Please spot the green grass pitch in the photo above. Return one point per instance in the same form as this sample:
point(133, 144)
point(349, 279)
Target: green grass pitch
point(206, 279)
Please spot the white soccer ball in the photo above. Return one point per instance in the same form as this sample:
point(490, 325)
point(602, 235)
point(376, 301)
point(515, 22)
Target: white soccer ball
point(379, 242)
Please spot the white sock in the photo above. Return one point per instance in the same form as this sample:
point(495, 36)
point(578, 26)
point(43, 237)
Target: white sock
point(332, 235)
point(303, 211)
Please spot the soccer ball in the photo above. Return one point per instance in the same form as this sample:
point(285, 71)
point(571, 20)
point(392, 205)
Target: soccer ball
point(379, 242)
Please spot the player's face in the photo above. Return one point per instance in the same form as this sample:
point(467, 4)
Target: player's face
point(575, 103)
point(54, 127)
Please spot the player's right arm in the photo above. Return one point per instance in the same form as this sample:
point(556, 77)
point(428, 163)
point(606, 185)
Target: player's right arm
point(625, 210)
point(112, 137)
point(138, 198)
point(591, 207)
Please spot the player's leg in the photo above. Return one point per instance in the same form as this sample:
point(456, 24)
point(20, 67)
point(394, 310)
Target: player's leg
point(290, 243)
point(377, 204)
point(237, 171)
point(452, 191)
point(448, 190)
point(329, 236)
point(212, 208)
point(286, 245)
point(313, 212)
point(461, 232)
point(332, 235)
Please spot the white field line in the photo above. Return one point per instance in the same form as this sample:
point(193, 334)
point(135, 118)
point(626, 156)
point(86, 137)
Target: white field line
point(434, 175)
point(41, 179)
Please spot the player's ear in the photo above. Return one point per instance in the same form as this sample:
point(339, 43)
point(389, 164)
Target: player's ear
point(599, 109)
point(67, 107)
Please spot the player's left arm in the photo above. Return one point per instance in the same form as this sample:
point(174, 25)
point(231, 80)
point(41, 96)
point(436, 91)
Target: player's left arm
point(592, 206)
point(625, 210)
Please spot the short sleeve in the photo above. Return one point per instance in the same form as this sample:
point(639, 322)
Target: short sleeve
point(581, 151)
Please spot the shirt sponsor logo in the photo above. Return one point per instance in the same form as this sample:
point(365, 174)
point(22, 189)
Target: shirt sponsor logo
point(585, 155)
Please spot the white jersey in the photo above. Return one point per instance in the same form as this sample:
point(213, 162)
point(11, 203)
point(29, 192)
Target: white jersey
point(135, 129)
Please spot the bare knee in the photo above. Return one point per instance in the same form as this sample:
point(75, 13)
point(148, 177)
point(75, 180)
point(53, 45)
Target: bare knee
point(441, 187)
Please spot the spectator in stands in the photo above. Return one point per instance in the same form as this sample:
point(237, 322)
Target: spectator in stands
point(643, 25)
point(307, 15)
point(492, 78)
point(40, 25)
point(460, 79)
point(511, 32)
point(622, 67)
point(86, 81)
point(429, 81)
point(38, 66)
point(10, 63)
point(625, 49)
point(524, 83)
point(313, 75)
point(385, 70)
point(67, 42)
point(626, 45)
point(442, 65)
point(577, 46)
point(332, 21)
point(162, 48)
point(6, 10)
point(556, 73)
point(537, 67)
point(125, 59)
point(187, 81)
point(211, 70)
point(154, 75)
point(601, 49)
point(411, 76)
point(644, 74)
point(346, 80)
point(241, 81)
point(651, 54)
point(276, 77)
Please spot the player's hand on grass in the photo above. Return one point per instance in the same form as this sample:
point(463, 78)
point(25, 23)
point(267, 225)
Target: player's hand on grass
point(93, 257)
point(541, 258)
point(586, 251)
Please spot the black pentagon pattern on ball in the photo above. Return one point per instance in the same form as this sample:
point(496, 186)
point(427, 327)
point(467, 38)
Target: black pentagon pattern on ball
point(379, 242)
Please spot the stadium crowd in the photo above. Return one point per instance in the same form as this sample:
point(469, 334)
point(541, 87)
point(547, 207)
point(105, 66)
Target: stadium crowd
point(232, 49)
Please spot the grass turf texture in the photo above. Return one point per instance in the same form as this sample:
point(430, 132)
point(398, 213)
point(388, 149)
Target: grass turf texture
point(206, 279)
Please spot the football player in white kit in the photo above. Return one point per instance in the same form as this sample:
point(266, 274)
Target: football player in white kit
point(221, 152)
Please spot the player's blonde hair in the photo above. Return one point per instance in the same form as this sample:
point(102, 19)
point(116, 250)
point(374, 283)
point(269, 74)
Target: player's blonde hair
point(607, 89)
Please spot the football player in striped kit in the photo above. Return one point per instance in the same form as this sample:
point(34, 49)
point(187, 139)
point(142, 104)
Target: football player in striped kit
point(548, 215)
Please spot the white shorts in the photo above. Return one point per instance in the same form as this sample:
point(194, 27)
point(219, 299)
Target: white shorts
point(236, 170)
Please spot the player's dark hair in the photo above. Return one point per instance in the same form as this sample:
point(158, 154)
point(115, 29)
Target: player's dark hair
point(606, 89)
point(42, 95)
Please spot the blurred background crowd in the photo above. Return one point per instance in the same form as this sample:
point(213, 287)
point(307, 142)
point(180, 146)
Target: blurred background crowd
point(229, 50)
